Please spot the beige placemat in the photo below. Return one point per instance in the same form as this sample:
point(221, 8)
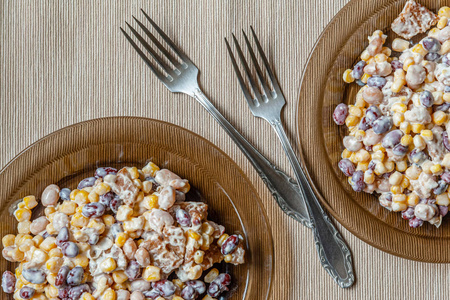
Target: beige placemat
point(64, 62)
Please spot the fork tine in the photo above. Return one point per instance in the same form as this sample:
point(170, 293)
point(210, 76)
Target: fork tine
point(266, 63)
point(158, 44)
point(247, 69)
point(247, 94)
point(163, 65)
point(167, 39)
point(144, 57)
point(258, 69)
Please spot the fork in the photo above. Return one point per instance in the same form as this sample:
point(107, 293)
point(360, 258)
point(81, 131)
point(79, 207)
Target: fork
point(183, 78)
point(333, 252)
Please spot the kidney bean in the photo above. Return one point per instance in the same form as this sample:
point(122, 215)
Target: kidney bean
point(70, 249)
point(115, 229)
point(75, 276)
point(382, 125)
point(417, 156)
point(358, 69)
point(396, 64)
point(442, 187)
point(198, 285)
point(26, 292)
point(183, 218)
point(50, 195)
point(35, 276)
point(443, 210)
point(76, 291)
point(165, 287)
point(105, 199)
point(426, 98)
point(415, 222)
point(64, 194)
point(8, 282)
point(400, 150)
point(408, 213)
point(103, 171)
point(63, 293)
point(340, 114)
point(358, 183)
point(445, 60)
point(188, 293)
point(152, 294)
point(133, 270)
point(38, 225)
point(432, 56)
point(373, 113)
point(445, 140)
point(376, 81)
point(372, 165)
point(392, 138)
point(219, 285)
point(443, 107)
point(93, 210)
point(115, 203)
point(62, 237)
point(446, 177)
point(347, 167)
point(431, 44)
point(230, 244)
point(87, 182)
point(363, 124)
point(61, 277)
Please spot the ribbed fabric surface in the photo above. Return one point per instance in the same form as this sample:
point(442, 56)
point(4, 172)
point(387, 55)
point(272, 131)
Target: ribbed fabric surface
point(65, 62)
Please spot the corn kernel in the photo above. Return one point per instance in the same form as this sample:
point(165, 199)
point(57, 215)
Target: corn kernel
point(446, 161)
point(365, 77)
point(396, 189)
point(22, 214)
point(395, 178)
point(73, 194)
point(108, 265)
point(24, 227)
point(151, 273)
point(93, 197)
point(347, 76)
point(405, 127)
point(436, 169)
point(417, 128)
point(445, 48)
point(442, 199)
point(398, 118)
point(124, 213)
point(362, 155)
point(198, 256)
point(48, 211)
point(398, 206)
point(351, 121)
point(121, 238)
point(194, 235)
point(55, 252)
point(444, 11)
point(369, 177)
point(150, 169)
point(87, 296)
point(412, 199)
point(399, 107)
point(82, 197)
point(109, 294)
point(30, 202)
point(405, 182)
point(389, 165)
point(147, 186)
point(51, 229)
point(108, 220)
point(48, 244)
point(51, 292)
point(120, 276)
point(179, 283)
point(97, 224)
point(346, 154)
point(151, 202)
point(399, 45)
point(439, 117)
point(427, 134)
point(82, 260)
point(38, 239)
point(54, 264)
point(418, 48)
point(222, 239)
point(8, 240)
point(407, 63)
point(67, 207)
point(355, 111)
point(78, 220)
point(406, 140)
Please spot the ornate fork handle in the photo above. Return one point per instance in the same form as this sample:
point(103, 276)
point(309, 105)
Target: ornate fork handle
point(334, 254)
point(285, 190)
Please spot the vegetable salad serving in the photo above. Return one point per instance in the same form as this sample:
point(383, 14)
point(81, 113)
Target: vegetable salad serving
point(398, 128)
point(123, 234)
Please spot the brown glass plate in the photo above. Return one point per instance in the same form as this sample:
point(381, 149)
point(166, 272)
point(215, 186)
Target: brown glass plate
point(73, 153)
point(322, 88)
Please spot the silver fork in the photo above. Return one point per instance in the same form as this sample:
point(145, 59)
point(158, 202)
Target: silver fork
point(333, 252)
point(183, 79)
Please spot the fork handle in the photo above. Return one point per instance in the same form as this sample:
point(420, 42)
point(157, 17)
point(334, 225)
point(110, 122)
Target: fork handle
point(284, 189)
point(333, 252)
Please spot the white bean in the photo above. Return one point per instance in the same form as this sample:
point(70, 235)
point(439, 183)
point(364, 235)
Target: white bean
point(352, 144)
point(123, 295)
point(415, 75)
point(166, 198)
point(38, 225)
point(50, 195)
point(164, 176)
point(372, 95)
point(140, 285)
